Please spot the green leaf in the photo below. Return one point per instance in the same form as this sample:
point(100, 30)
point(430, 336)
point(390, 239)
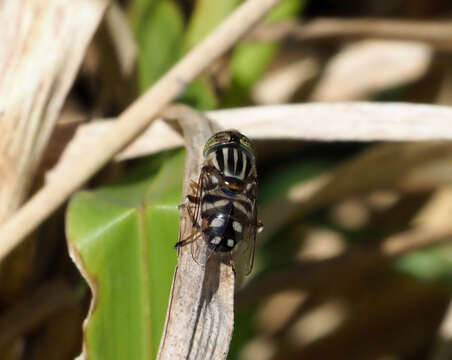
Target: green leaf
point(122, 238)
point(139, 11)
point(200, 95)
point(159, 28)
point(250, 60)
point(285, 10)
point(284, 179)
point(160, 39)
point(248, 63)
point(207, 15)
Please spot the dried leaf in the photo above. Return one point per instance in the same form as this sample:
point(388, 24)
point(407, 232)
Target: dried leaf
point(320, 122)
point(367, 67)
point(39, 65)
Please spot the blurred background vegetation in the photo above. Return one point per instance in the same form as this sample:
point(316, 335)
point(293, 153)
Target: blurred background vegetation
point(315, 292)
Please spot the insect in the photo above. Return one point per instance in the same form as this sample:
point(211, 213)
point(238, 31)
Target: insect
point(222, 207)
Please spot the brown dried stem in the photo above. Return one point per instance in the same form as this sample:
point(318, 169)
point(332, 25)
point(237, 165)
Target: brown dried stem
point(201, 308)
point(131, 123)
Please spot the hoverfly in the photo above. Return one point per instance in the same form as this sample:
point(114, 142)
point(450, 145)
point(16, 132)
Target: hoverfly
point(222, 207)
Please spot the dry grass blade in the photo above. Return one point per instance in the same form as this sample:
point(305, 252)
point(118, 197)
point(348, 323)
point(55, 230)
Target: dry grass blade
point(358, 121)
point(201, 312)
point(131, 123)
point(123, 39)
point(367, 67)
point(438, 34)
point(39, 65)
point(280, 84)
point(354, 121)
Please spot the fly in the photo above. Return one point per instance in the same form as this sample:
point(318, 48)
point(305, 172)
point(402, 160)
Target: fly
point(222, 207)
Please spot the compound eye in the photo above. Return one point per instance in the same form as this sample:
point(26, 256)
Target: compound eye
point(222, 137)
point(219, 138)
point(245, 142)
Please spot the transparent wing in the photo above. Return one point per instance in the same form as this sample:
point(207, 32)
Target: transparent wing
point(243, 255)
point(198, 246)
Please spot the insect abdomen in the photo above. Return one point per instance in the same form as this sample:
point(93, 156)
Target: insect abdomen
point(221, 232)
point(223, 222)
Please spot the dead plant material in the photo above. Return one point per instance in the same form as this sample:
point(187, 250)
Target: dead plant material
point(200, 315)
point(366, 68)
point(435, 33)
point(131, 123)
point(38, 67)
point(350, 121)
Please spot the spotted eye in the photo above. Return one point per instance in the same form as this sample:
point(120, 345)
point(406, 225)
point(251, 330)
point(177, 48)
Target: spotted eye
point(247, 143)
point(221, 137)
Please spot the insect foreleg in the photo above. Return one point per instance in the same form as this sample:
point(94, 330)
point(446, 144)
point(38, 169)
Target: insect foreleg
point(186, 205)
point(189, 239)
point(194, 186)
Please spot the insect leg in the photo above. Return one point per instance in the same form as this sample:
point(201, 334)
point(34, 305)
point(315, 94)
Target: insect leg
point(194, 186)
point(190, 203)
point(231, 263)
point(188, 199)
point(189, 239)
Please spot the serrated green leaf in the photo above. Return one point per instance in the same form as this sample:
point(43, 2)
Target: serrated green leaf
point(123, 237)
